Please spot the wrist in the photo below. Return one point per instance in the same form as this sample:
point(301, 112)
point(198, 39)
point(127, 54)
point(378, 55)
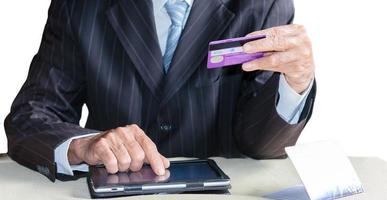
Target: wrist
point(299, 86)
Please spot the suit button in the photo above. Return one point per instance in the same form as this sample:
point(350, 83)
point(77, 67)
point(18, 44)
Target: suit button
point(165, 128)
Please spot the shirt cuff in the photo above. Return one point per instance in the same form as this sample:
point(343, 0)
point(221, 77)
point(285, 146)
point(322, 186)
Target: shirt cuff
point(291, 104)
point(62, 163)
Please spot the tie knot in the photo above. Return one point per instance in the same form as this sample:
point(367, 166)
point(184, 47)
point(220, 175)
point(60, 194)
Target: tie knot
point(176, 10)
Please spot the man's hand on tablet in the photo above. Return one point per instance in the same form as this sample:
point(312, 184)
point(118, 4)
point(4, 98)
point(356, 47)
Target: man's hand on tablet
point(121, 149)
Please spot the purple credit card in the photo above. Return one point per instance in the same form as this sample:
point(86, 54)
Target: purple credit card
point(229, 52)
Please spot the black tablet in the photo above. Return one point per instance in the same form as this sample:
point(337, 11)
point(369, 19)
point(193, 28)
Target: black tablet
point(181, 176)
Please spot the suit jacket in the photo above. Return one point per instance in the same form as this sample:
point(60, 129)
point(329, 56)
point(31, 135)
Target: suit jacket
point(105, 54)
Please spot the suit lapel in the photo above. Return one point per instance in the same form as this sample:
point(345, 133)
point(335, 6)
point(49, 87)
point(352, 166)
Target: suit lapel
point(207, 21)
point(134, 25)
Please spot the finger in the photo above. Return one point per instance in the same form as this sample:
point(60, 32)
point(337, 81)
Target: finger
point(273, 43)
point(288, 30)
point(272, 61)
point(165, 161)
point(119, 150)
point(151, 153)
point(290, 68)
point(106, 155)
point(123, 158)
point(137, 155)
point(134, 149)
point(163, 177)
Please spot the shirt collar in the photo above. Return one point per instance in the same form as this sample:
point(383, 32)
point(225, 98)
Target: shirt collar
point(159, 4)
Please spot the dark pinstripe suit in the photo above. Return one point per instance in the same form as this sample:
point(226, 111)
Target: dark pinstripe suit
point(105, 53)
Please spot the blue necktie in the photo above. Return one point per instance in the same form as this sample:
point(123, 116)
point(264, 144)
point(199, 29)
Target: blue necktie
point(176, 11)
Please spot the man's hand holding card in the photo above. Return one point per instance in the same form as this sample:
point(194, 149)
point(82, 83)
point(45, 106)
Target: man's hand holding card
point(285, 49)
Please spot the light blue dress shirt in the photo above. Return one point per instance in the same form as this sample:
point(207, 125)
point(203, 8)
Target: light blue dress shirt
point(289, 107)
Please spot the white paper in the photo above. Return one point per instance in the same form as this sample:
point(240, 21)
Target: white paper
point(292, 193)
point(325, 170)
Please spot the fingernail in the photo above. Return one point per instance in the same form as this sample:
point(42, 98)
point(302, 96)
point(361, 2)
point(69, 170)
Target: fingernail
point(160, 171)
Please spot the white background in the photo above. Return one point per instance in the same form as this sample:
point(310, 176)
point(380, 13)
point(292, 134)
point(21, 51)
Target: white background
point(350, 40)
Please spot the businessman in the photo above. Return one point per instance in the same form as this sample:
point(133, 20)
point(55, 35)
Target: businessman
point(140, 68)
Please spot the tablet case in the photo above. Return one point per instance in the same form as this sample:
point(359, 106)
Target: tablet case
point(191, 187)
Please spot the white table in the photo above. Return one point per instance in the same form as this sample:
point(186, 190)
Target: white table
point(250, 179)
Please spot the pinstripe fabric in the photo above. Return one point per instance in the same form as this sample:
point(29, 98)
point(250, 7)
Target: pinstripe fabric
point(177, 11)
point(105, 54)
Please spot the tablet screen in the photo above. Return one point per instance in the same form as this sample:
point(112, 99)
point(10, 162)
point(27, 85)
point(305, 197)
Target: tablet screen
point(190, 171)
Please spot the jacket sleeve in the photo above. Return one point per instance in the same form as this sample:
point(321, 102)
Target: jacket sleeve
point(259, 131)
point(48, 107)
